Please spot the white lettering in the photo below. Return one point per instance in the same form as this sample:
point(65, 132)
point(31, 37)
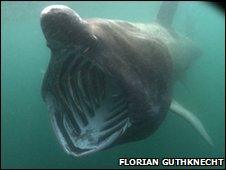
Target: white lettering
point(171, 162)
point(121, 162)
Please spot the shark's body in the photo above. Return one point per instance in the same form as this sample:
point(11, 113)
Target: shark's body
point(110, 82)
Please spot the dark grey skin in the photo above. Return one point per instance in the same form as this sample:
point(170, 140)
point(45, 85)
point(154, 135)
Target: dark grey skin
point(108, 82)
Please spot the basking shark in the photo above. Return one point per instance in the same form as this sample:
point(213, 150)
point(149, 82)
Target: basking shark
point(110, 82)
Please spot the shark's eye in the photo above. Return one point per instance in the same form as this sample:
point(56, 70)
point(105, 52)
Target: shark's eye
point(54, 45)
point(48, 45)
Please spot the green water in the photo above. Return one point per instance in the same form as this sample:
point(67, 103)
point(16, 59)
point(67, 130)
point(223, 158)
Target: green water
point(27, 137)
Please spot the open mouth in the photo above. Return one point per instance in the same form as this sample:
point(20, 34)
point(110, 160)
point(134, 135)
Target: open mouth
point(88, 108)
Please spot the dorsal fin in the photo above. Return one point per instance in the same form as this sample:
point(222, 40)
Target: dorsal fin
point(166, 13)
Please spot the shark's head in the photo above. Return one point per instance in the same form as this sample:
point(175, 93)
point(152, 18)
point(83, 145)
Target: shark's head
point(62, 26)
point(107, 83)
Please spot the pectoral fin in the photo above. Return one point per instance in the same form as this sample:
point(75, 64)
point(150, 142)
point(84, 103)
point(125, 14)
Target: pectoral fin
point(175, 107)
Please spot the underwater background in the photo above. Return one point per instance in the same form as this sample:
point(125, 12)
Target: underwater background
point(27, 138)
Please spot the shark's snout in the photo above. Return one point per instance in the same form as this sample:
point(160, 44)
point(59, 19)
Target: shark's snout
point(57, 9)
point(61, 23)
